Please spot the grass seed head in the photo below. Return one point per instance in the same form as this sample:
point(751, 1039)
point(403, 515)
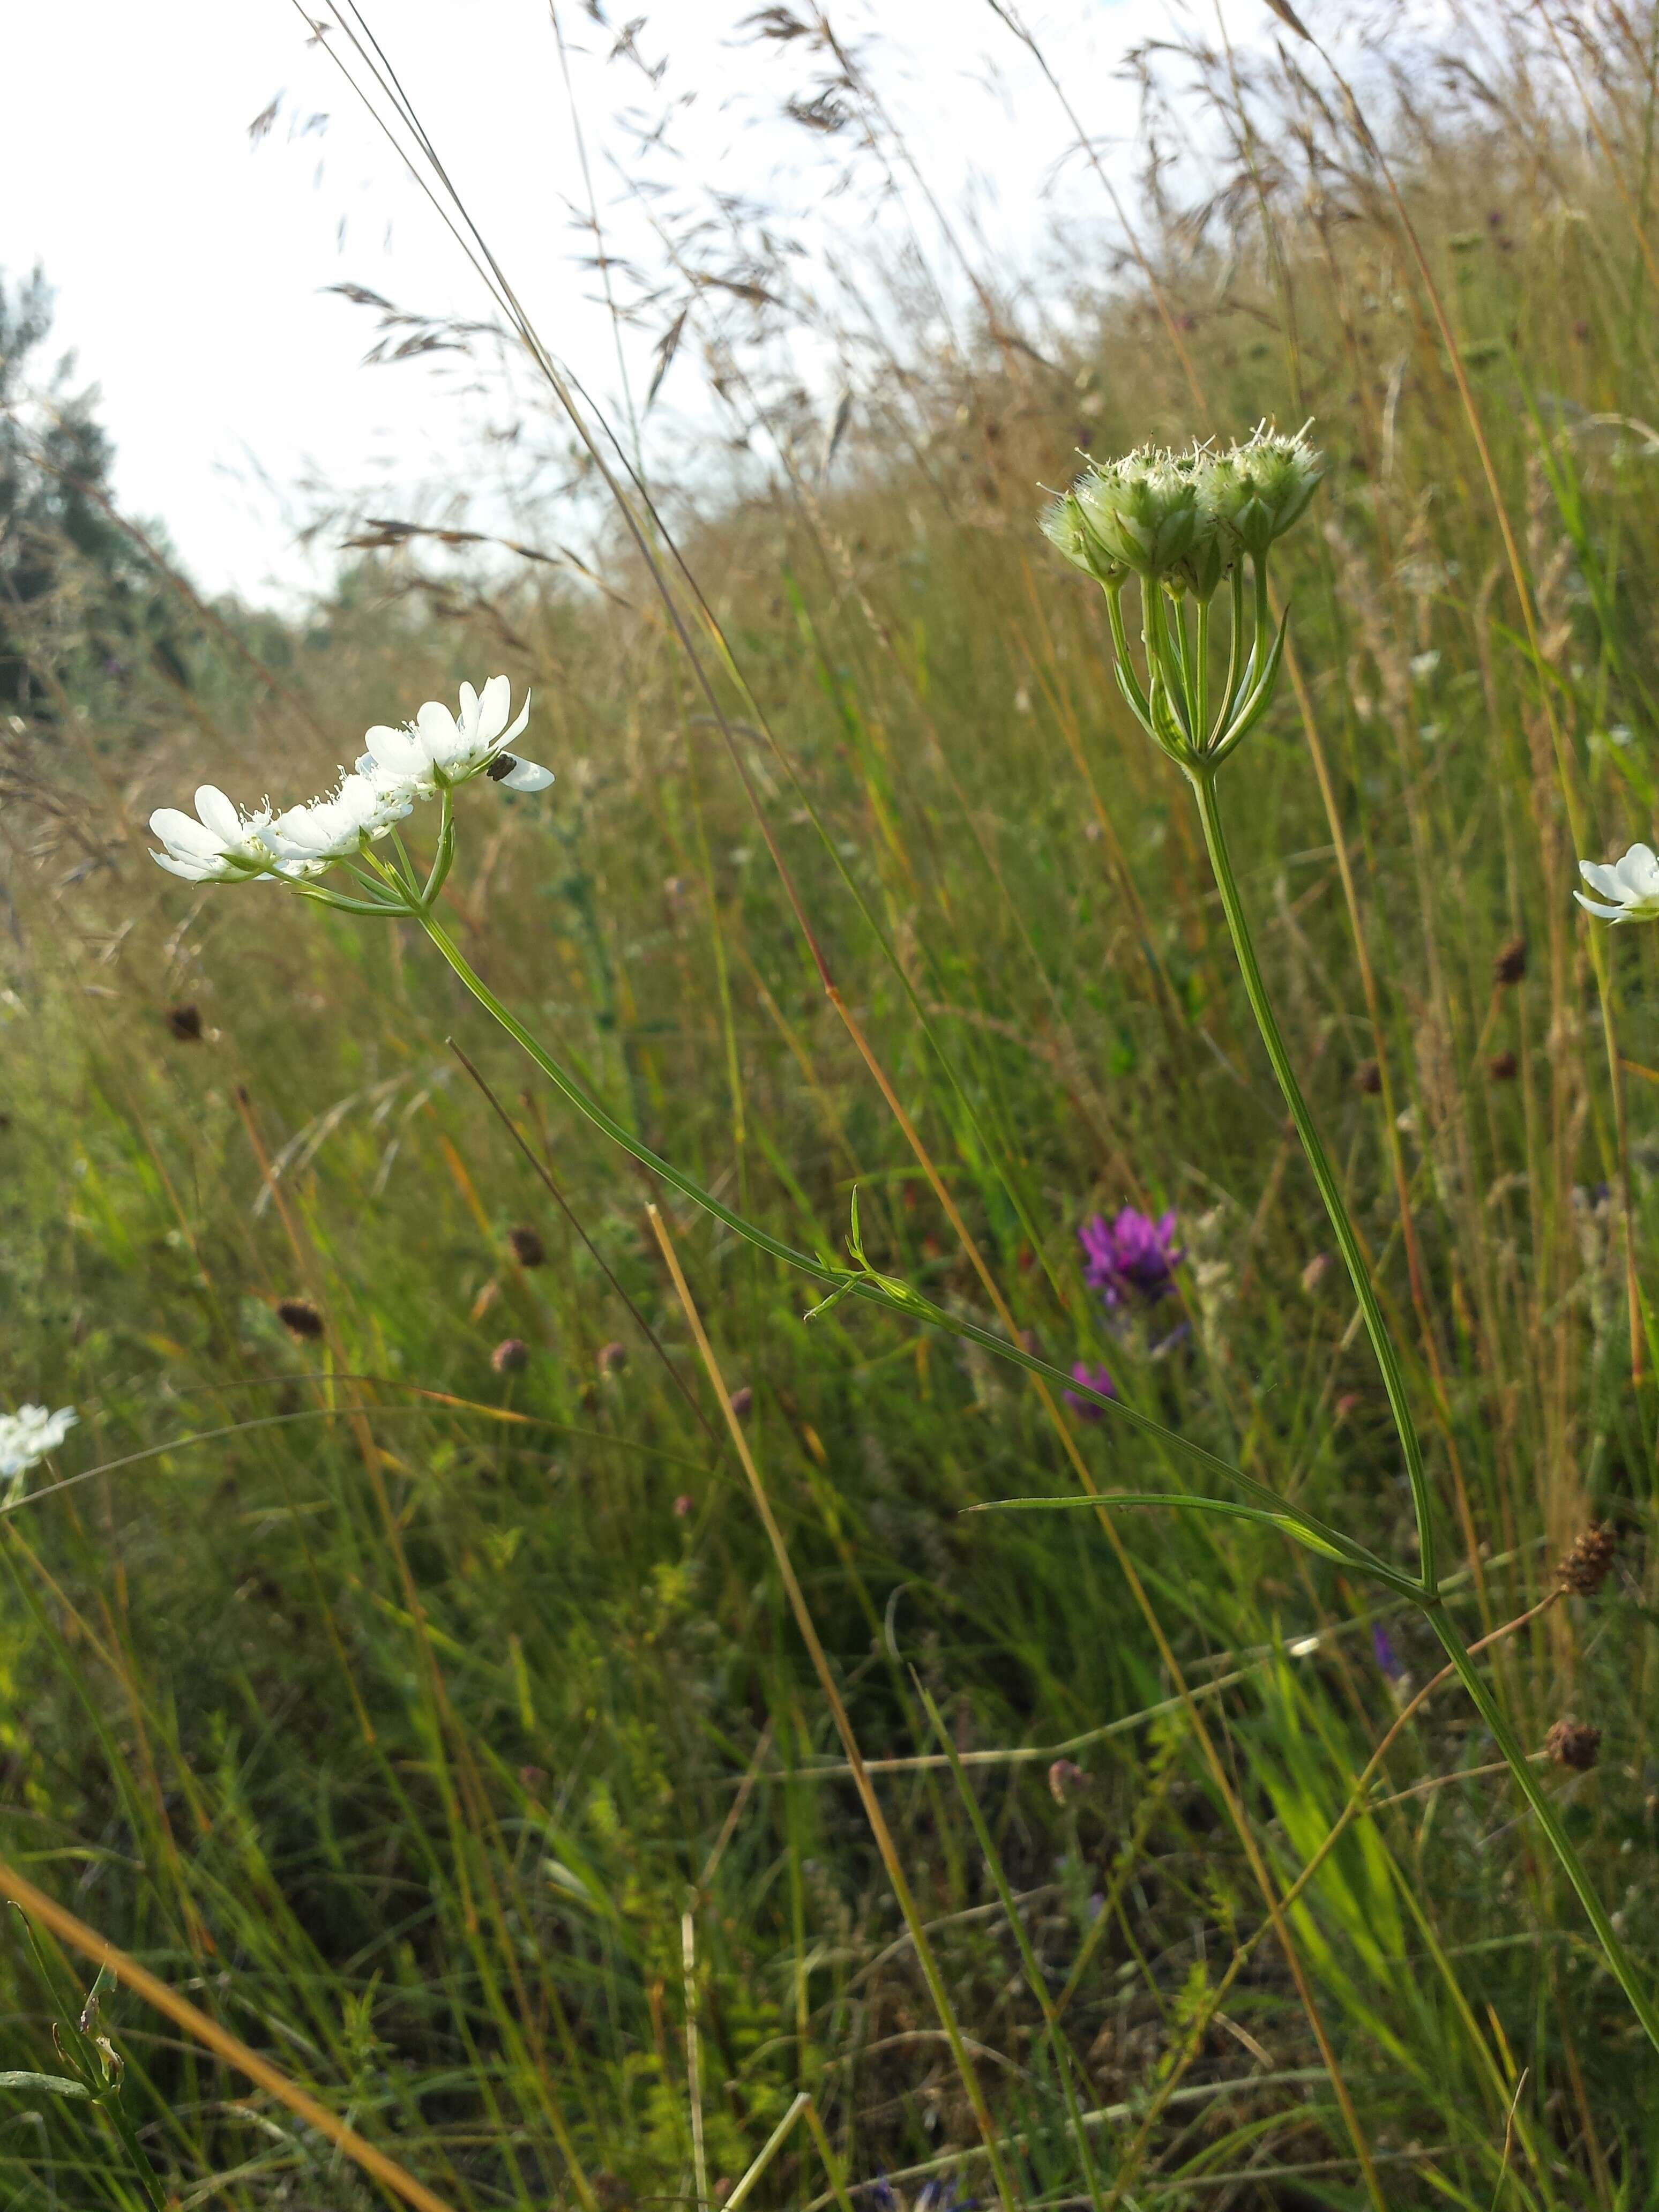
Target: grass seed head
point(1510, 965)
point(1589, 1562)
point(1574, 1744)
point(526, 1246)
point(299, 1318)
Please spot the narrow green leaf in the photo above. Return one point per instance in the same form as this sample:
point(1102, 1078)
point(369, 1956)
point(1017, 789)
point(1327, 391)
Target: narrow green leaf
point(56, 2085)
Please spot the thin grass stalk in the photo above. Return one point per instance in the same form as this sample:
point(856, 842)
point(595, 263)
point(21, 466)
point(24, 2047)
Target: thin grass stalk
point(1429, 1597)
point(861, 1782)
point(139, 1979)
point(1060, 2052)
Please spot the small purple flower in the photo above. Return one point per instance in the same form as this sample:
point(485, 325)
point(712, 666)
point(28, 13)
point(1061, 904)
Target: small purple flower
point(1134, 1253)
point(1386, 1657)
point(1092, 1378)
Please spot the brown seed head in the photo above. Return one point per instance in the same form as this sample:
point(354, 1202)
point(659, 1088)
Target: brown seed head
point(1368, 1079)
point(1501, 1067)
point(1574, 1744)
point(1067, 1780)
point(1510, 965)
point(511, 1354)
point(185, 1023)
point(1589, 1562)
point(526, 1246)
point(613, 1358)
point(299, 1318)
point(742, 1399)
point(1313, 1274)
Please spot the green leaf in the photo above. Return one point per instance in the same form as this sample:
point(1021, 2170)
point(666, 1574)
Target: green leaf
point(1287, 1525)
point(56, 2085)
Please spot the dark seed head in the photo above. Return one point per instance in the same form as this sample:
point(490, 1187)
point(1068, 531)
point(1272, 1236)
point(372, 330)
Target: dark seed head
point(742, 1399)
point(1589, 1562)
point(1510, 965)
point(186, 1022)
point(299, 1318)
point(511, 1354)
point(1368, 1078)
point(613, 1358)
point(1503, 1067)
point(1574, 1744)
point(527, 1248)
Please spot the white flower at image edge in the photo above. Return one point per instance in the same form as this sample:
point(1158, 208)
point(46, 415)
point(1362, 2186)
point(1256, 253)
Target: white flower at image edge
point(27, 1435)
point(305, 839)
point(1630, 885)
point(438, 747)
point(224, 845)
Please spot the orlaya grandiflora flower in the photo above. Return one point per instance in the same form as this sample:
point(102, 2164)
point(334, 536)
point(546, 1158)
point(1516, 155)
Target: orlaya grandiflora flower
point(1630, 885)
point(306, 839)
point(438, 748)
point(218, 844)
point(29, 1434)
point(436, 751)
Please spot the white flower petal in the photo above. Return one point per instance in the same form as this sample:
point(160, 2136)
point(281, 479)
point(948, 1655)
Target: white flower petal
point(1594, 906)
point(1638, 872)
point(183, 833)
point(523, 775)
point(507, 736)
point(436, 729)
point(219, 814)
point(494, 708)
point(193, 871)
point(1600, 877)
point(396, 751)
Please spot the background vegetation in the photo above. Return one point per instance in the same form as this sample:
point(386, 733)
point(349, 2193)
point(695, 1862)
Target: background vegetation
point(439, 1727)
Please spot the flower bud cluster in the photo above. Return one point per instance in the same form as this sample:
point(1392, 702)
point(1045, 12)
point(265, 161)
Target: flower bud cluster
point(1183, 520)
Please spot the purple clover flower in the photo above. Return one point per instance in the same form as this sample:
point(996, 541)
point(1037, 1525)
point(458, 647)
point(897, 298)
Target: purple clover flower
point(1093, 1377)
point(1132, 1256)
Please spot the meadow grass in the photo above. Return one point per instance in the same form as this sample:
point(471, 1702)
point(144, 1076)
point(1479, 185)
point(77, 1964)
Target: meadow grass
point(446, 1733)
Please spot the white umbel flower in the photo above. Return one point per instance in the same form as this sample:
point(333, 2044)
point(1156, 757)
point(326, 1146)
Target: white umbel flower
point(438, 748)
point(306, 839)
point(222, 846)
point(1631, 886)
point(27, 1435)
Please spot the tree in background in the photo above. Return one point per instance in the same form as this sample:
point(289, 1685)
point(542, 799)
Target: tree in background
point(80, 605)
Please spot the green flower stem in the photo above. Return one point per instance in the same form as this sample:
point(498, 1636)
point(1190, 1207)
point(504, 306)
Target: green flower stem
point(1200, 667)
point(443, 857)
point(1204, 784)
point(879, 1291)
point(1235, 659)
point(1532, 1789)
point(1121, 658)
point(1427, 1596)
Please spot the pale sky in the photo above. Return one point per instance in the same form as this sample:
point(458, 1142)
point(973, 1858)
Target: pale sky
point(191, 266)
